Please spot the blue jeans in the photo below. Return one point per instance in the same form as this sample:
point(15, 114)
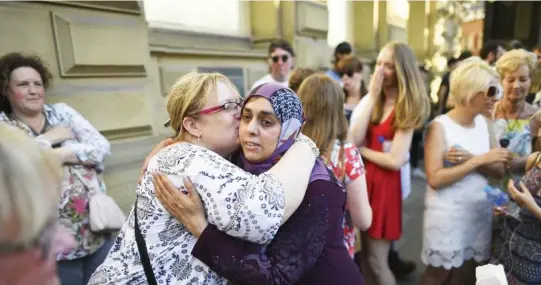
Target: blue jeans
point(78, 271)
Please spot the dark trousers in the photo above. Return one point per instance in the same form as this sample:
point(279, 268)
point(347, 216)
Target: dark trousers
point(78, 271)
point(416, 148)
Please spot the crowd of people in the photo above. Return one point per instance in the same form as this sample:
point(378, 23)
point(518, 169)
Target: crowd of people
point(300, 182)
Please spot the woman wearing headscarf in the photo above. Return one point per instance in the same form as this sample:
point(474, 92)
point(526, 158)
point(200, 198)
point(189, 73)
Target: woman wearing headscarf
point(309, 247)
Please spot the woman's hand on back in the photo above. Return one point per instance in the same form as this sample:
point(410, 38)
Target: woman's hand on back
point(161, 145)
point(185, 205)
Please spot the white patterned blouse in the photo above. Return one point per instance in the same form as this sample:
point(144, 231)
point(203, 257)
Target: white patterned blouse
point(238, 203)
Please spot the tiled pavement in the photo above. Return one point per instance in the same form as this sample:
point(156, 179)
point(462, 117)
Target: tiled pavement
point(409, 246)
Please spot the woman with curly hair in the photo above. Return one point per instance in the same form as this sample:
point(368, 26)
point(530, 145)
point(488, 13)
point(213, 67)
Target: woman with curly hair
point(79, 146)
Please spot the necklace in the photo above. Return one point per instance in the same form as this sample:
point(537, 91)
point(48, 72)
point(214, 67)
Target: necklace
point(516, 121)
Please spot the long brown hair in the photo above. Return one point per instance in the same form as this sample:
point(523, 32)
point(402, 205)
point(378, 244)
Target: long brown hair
point(323, 103)
point(412, 106)
point(351, 63)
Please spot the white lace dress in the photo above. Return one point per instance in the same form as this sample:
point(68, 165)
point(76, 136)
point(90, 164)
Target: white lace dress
point(238, 203)
point(458, 218)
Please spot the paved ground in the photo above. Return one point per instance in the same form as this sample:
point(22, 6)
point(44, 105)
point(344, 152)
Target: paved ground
point(409, 246)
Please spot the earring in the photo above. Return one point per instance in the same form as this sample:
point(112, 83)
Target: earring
point(199, 137)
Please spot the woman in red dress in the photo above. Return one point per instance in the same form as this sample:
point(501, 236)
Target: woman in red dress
point(382, 126)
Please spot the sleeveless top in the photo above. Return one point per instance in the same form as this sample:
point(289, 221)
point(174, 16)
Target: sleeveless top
point(468, 190)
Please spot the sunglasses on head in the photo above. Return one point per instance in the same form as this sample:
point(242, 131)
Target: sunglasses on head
point(276, 58)
point(349, 73)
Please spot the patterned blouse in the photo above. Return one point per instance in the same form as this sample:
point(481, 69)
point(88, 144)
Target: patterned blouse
point(238, 203)
point(517, 244)
point(347, 170)
point(90, 147)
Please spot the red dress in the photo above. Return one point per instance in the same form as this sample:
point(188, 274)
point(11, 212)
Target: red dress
point(384, 186)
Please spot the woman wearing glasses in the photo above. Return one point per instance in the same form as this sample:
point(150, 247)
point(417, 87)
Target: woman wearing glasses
point(204, 111)
point(350, 70)
point(458, 215)
point(30, 237)
point(281, 61)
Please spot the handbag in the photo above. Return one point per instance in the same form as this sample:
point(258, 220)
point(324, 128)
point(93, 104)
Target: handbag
point(104, 214)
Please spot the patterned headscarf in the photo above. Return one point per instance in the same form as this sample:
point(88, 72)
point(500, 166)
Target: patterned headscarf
point(288, 109)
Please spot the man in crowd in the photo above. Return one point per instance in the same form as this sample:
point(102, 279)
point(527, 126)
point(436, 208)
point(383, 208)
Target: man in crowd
point(281, 61)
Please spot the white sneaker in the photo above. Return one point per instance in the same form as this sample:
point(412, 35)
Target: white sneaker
point(418, 173)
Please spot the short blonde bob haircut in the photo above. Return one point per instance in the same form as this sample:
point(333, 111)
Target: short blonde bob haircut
point(512, 60)
point(189, 94)
point(470, 77)
point(30, 180)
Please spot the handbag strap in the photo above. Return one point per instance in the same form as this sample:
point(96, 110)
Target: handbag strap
point(143, 253)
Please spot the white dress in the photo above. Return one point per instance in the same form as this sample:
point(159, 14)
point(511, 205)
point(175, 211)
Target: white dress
point(458, 218)
point(240, 204)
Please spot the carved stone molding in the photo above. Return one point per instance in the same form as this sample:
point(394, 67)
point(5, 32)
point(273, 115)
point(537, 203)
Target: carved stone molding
point(312, 19)
point(97, 47)
point(127, 7)
point(194, 43)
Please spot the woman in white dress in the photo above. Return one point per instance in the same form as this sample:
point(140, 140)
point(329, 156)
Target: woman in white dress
point(458, 215)
point(204, 111)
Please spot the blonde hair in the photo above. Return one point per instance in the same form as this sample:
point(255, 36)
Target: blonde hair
point(469, 78)
point(189, 94)
point(512, 60)
point(412, 106)
point(323, 103)
point(30, 180)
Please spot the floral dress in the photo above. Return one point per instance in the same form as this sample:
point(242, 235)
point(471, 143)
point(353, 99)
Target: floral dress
point(237, 203)
point(347, 170)
point(90, 147)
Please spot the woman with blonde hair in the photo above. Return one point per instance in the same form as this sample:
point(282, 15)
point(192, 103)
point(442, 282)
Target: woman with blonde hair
point(323, 103)
point(30, 237)
point(458, 215)
point(382, 126)
point(153, 246)
point(512, 115)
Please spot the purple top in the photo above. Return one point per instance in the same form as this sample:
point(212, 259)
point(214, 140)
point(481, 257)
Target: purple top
point(308, 249)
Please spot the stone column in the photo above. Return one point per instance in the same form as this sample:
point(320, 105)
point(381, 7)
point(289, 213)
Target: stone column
point(418, 28)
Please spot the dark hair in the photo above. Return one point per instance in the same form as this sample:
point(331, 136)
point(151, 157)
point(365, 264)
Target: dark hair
point(283, 44)
point(516, 44)
point(351, 64)
point(342, 48)
point(451, 61)
point(464, 55)
point(298, 75)
point(12, 61)
point(488, 47)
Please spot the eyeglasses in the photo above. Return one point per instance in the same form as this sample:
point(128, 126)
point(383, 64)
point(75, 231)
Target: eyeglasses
point(276, 58)
point(349, 73)
point(229, 106)
point(43, 241)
